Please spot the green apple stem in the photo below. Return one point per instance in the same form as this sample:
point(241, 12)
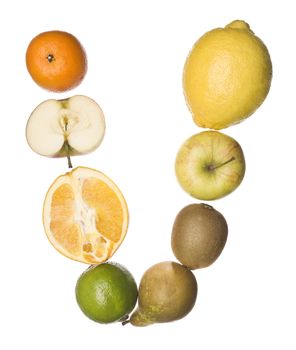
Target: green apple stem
point(67, 147)
point(214, 167)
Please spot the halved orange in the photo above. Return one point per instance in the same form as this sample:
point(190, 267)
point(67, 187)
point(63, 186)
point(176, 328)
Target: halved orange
point(85, 215)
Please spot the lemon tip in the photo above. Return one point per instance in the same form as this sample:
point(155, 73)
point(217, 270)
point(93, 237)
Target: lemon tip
point(238, 24)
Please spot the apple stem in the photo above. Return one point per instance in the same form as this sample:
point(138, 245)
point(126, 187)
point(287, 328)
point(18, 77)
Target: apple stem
point(67, 146)
point(69, 162)
point(213, 167)
point(68, 154)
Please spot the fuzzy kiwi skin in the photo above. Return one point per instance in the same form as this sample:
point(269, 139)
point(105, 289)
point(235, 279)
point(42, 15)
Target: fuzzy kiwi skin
point(167, 292)
point(199, 235)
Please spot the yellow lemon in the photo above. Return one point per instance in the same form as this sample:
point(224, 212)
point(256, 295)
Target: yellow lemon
point(227, 76)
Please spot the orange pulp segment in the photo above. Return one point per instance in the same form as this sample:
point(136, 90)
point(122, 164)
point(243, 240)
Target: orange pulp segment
point(85, 215)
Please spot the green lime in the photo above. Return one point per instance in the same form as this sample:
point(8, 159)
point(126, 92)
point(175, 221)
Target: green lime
point(106, 292)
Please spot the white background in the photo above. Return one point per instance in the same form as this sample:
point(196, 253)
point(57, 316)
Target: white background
point(136, 51)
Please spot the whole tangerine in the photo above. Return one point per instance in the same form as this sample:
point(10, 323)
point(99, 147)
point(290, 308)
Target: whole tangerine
point(56, 60)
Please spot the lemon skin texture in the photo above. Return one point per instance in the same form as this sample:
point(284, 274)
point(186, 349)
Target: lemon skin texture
point(227, 76)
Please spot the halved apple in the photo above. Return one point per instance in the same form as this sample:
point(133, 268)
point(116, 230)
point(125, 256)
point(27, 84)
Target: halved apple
point(64, 128)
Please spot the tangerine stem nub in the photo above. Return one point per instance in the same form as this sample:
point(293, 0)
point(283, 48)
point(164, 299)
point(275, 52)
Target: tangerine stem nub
point(50, 58)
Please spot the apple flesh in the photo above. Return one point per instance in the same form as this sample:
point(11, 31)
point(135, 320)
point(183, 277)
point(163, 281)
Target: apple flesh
point(210, 165)
point(63, 128)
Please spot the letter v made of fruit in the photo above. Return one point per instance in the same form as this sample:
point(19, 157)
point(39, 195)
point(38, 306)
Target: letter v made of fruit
point(209, 166)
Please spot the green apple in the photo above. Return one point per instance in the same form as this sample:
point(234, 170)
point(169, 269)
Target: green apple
point(210, 165)
point(62, 128)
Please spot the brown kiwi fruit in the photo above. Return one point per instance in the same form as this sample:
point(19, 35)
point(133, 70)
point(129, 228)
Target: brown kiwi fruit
point(199, 235)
